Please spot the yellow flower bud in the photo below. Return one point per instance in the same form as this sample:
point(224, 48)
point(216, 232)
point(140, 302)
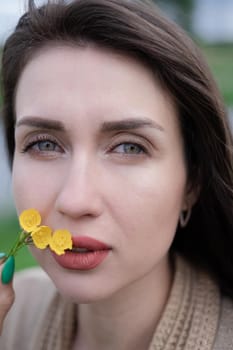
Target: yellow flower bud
point(61, 240)
point(29, 219)
point(42, 236)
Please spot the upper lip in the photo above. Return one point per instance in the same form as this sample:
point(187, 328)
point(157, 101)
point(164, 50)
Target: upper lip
point(88, 243)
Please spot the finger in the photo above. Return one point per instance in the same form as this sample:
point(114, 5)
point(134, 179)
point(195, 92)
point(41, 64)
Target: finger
point(8, 270)
point(7, 294)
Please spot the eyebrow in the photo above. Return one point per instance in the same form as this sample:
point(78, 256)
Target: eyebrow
point(129, 124)
point(107, 126)
point(42, 123)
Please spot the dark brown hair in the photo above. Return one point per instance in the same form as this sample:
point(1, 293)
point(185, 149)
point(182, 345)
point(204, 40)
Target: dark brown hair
point(138, 29)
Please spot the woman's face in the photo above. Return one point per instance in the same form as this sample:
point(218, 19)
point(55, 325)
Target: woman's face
point(99, 152)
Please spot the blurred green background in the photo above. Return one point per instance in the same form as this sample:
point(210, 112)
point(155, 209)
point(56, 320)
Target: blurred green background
point(220, 59)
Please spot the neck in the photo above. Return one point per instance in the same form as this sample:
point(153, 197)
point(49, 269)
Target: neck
point(128, 319)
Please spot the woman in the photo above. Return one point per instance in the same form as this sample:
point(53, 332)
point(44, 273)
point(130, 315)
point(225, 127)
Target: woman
point(116, 132)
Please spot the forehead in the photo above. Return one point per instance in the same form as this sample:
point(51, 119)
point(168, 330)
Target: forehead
point(88, 81)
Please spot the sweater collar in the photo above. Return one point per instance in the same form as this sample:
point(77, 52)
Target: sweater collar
point(190, 318)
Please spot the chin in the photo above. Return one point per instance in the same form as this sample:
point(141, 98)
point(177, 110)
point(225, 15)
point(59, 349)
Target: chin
point(82, 295)
point(80, 288)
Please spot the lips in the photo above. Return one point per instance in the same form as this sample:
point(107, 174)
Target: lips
point(86, 254)
point(88, 243)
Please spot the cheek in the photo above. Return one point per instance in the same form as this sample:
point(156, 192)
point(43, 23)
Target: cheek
point(20, 184)
point(32, 187)
point(151, 194)
point(148, 206)
point(149, 226)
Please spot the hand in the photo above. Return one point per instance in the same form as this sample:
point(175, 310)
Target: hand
point(7, 294)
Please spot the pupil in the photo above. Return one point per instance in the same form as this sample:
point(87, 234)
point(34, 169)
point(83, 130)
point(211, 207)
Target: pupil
point(46, 146)
point(130, 148)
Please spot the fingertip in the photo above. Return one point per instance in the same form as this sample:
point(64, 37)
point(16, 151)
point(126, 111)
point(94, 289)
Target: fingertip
point(8, 270)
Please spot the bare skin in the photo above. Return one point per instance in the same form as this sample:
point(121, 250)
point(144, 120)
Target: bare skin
point(130, 326)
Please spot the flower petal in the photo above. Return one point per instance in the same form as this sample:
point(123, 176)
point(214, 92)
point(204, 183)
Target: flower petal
point(42, 236)
point(61, 240)
point(29, 219)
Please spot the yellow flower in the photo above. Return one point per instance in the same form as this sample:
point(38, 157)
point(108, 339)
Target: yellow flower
point(61, 240)
point(42, 236)
point(29, 219)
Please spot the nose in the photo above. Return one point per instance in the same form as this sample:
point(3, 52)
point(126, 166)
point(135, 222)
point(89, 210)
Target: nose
point(79, 194)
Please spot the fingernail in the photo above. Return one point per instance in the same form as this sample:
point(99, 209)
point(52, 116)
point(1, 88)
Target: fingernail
point(8, 270)
point(2, 255)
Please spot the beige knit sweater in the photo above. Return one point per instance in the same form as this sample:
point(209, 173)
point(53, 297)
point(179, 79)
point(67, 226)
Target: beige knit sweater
point(195, 318)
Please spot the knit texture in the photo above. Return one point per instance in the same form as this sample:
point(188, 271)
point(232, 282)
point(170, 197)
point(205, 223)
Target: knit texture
point(190, 318)
point(189, 321)
point(58, 328)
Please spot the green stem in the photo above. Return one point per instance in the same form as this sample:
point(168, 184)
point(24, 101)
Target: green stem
point(20, 242)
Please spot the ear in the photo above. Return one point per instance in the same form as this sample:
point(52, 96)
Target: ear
point(190, 197)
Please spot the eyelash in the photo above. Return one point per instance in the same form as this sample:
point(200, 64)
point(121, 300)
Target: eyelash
point(44, 138)
point(40, 138)
point(142, 149)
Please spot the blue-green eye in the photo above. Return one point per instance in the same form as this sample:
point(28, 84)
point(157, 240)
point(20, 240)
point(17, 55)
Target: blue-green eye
point(42, 146)
point(129, 148)
point(46, 146)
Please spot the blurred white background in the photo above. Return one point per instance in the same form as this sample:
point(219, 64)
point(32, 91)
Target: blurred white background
point(6, 202)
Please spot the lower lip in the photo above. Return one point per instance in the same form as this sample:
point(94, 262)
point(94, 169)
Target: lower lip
point(81, 261)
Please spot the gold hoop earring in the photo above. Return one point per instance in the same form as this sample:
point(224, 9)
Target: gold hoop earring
point(185, 216)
